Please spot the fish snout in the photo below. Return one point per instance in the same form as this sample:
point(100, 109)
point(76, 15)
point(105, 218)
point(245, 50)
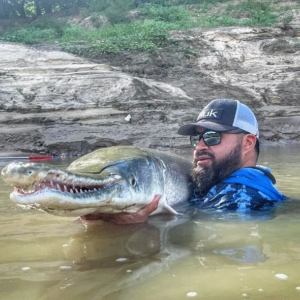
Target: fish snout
point(18, 174)
point(8, 171)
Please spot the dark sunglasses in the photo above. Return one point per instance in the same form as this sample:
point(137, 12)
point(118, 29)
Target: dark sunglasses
point(210, 138)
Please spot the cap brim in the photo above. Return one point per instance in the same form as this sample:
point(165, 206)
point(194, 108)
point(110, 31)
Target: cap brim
point(194, 128)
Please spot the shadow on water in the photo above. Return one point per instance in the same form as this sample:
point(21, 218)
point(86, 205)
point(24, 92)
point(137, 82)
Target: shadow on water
point(110, 262)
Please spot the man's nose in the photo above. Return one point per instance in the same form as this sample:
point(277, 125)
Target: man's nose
point(201, 145)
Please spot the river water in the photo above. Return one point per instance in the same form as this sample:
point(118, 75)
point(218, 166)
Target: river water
point(197, 255)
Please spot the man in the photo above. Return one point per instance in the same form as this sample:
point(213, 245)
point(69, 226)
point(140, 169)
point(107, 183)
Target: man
point(225, 138)
point(226, 143)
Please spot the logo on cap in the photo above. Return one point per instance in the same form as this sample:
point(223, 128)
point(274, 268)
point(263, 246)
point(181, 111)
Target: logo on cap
point(210, 114)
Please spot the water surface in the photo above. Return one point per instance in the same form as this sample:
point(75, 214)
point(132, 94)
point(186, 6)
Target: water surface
point(198, 255)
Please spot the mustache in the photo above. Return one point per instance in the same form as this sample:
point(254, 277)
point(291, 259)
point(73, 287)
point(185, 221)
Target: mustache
point(204, 152)
point(198, 154)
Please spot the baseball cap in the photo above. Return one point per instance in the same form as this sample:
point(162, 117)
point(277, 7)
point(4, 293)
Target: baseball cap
point(223, 115)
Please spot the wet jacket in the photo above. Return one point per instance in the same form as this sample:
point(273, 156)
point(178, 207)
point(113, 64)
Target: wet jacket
point(247, 188)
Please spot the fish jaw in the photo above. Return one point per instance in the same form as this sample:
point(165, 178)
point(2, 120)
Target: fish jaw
point(67, 194)
point(49, 201)
point(60, 192)
point(79, 203)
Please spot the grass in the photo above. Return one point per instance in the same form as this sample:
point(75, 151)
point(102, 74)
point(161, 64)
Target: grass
point(151, 28)
point(45, 31)
point(258, 12)
point(172, 14)
point(140, 35)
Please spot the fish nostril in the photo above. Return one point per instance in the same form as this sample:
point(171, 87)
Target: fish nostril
point(132, 181)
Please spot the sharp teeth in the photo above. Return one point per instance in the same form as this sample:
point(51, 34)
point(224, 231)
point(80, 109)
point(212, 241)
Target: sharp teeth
point(95, 189)
point(58, 187)
point(51, 183)
point(81, 191)
point(65, 188)
point(71, 191)
point(76, 190)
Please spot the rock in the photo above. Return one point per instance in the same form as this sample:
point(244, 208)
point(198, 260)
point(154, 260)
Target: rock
point(58, 103)
point(54, 102)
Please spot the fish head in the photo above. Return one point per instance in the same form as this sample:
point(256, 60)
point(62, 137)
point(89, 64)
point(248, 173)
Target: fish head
point(95, 183)
point(134, 181)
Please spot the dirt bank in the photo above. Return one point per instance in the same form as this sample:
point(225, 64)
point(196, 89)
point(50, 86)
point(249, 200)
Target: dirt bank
point(54, 102)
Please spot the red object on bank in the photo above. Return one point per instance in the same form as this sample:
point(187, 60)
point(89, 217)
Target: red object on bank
point(31, 157)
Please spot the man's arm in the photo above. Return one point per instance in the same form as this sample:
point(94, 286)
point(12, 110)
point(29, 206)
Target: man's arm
point(126, 218)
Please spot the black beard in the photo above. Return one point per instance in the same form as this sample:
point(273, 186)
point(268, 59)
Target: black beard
point(207, 177)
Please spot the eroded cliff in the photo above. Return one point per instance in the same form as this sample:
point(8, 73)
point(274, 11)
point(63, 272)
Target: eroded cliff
point(58, 103)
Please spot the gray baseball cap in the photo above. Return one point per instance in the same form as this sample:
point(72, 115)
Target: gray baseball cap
point(223, 115)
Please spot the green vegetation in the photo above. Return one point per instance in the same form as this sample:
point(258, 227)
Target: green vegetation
point(172, 14)
point(140, 25)
point(259, 13)
point(44, 31)
point(140, 35)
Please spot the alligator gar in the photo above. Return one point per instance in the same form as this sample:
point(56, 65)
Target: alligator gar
point(108, 180)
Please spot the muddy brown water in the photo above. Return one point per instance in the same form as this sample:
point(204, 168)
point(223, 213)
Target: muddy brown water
point(198, 256)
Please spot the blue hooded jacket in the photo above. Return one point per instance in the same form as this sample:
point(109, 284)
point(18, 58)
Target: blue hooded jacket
point(259, 178)
point(247, 188)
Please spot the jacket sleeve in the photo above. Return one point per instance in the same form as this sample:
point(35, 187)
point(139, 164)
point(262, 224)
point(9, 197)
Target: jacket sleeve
point(233, 196)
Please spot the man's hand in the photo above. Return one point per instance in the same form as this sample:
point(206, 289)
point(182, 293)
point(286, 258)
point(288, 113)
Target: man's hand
point(126, 218)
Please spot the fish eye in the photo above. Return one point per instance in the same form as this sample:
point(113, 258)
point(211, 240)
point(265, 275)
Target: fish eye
point(132, 181)
point(30, 172)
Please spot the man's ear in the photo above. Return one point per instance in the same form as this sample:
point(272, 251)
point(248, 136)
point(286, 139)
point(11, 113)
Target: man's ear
point(249, 143)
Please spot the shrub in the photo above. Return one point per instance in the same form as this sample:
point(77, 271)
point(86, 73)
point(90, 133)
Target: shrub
point(115, 10)
point(30, 35)
point(99, 5)
point(167, 14)
point(140, 35)
point(73, 33)
point(260, 12)
point(57, 25)
point(37, 32)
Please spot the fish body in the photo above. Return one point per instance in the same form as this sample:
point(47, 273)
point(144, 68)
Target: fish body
point(108, 180)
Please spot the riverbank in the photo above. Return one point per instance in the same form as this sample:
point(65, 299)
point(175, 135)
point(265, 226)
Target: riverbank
point(53, 102)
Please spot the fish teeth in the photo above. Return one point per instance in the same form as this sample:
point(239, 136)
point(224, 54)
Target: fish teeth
point(58, 187)
point(71, 191)
point(65, 188)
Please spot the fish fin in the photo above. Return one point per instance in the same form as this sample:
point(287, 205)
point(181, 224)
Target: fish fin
point(169, 209)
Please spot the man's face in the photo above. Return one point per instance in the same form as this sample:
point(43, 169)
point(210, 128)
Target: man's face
point(212, 164)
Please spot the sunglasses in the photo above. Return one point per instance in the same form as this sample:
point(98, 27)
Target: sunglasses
point(210, 138)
